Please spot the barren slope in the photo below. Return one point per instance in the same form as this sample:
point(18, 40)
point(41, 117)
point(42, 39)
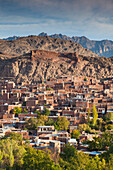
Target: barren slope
point(26, 44)
point(50, 65)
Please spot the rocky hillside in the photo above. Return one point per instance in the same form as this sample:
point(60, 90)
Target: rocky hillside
point(24, 45)
point(40, 64)
point(101, 48)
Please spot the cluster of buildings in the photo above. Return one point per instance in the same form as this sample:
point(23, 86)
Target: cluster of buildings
point(66, 96)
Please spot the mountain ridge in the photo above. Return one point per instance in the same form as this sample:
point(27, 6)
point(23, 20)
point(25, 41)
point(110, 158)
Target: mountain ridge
point(101, 48)
point(26, 44)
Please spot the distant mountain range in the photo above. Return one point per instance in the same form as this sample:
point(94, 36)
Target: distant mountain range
point(12, 38)
point(101, 48)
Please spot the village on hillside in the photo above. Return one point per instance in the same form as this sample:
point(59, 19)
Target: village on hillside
point(55, 112)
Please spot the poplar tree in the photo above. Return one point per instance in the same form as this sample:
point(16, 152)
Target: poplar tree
point(95, 115)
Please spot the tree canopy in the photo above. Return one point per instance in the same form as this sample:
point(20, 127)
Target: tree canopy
point(109, 116)
point(17, 110)
point(17, 156)
point(12, 153)
point(46, 112)
point(14, 136)
point(61, 124)
point(75, 134)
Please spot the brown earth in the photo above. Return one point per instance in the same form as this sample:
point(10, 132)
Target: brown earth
point(24, 45)
point(41, 64)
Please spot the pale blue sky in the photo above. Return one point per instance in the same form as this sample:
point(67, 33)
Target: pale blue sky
point(90, 18)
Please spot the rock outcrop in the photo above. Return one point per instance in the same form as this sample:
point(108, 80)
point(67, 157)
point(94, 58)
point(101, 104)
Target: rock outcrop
point(37, 65)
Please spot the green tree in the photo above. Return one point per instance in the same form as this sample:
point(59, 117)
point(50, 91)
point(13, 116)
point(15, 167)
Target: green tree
point(100, 123)
point(32, 123)
point(68, 152)
point(62, 123)
point(100, 143)
point(14, 136)
point(72, 159)
point(83, 127)
point(109, 126)
point(42, 119)
point(95, 115)
point(17, 110)
point(46, 112)
point(50, 122)
point(109, 116)
point(111, 162)
point(38, 160)
point(75, 134)
point(12, 153)
point(11, 156)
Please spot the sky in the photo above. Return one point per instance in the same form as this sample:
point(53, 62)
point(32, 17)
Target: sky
point(90, 18)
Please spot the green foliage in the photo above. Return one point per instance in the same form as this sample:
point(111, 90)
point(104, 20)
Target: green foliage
point(14, 136)
point(95, 115)
point(32, 123)
point(38, 112)
point(46, 112)
point(12, 153)
point(16, 157)
point(83, 127)
point(49, 89)
point(109, 126)
point(38, 160)
point(11, 156)
point(100, 121)
point(42, 119)
point(1, 157)
point(50, 122)
point(17, 110)
point(72, 159)
point(100, 143)
point(111, 162)
point(75, 134)
point(68, 152)
point(61, 124)
point(25, 111)
point(109, 154)
point(109, 116)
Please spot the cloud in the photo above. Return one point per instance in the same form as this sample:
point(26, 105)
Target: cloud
point(49, 26)
point(92, 18)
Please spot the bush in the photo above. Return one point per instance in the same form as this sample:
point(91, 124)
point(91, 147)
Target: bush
point(109, 127)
